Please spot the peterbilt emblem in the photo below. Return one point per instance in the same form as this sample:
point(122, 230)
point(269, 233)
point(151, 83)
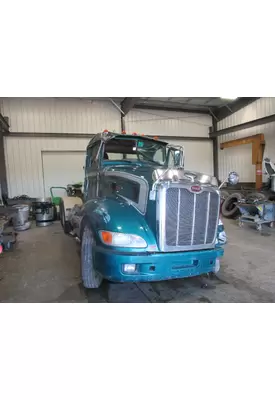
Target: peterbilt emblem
point(195, 188)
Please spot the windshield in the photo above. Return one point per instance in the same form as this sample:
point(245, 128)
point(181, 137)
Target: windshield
point(144, 150)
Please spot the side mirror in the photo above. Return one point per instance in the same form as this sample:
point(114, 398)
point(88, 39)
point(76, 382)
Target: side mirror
point(177, 154)
point(233, 178)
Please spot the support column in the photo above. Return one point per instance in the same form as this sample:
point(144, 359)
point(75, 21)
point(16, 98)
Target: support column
point(215, 149)
point(122, 123)
point(3, 172)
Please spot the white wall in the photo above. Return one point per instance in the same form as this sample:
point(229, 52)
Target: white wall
point(24, 162)
point(24, 155)
point(199, 154)
point(167, 123)
point(61, 115)
point(54, 176)
point(50, 115)
point(240, 158)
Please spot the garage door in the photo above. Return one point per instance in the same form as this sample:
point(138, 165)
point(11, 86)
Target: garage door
point(198, 155)
point(61, 168)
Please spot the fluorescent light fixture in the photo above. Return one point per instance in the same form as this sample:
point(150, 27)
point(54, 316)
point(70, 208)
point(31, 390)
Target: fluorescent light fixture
point(229, 98)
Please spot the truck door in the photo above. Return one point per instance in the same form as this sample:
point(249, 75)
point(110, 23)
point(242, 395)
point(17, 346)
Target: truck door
point(92, 172)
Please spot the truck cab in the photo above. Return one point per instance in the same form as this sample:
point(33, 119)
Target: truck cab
point(143, 217)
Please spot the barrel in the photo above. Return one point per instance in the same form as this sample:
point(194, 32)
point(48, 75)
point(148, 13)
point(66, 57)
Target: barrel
point(21, 218)
point(44, 211)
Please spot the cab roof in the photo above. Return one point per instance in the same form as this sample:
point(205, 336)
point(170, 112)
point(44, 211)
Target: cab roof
point(106, 136)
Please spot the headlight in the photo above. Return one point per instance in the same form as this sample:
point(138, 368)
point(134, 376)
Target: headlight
point(122, 239)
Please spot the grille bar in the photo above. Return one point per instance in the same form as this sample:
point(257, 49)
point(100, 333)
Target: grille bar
point(178, 216)
point(187, 220)
point(193, 222)
point(207, 217)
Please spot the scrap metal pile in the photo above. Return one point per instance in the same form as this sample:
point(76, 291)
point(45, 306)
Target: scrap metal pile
point(230, 201)
point(253, 208)
point(7, 232)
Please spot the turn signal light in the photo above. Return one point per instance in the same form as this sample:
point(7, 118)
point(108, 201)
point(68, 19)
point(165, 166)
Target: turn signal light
point(106, 237)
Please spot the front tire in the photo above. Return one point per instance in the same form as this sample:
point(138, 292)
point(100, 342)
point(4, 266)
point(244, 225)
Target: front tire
point(67, 228)
point(259, 227)
point(90, 277)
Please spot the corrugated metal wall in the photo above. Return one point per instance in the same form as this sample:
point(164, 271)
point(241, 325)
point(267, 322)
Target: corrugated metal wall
point(61, 115)
point(24, 162)
point(167, 123)
point(240, 158)
point(24, 155)
point(198, 155)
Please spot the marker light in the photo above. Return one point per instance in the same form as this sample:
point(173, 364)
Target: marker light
point(105, 131)
point(123, 132)
point(122, 239)
point(135, 134)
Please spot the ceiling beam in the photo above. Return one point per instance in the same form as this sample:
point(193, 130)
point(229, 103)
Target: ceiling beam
point(90, 135)
point(128, 103)
point(245, 125)
point(178, 109)
point(233, 106)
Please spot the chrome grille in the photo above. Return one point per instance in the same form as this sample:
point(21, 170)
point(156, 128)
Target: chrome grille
point(188, 220)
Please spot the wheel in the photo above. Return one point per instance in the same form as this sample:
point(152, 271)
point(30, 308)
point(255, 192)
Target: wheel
point(65, 224)
point(229, 208)
point(259, 227)
point(90, 277)
point(255, 196)
point(240, 223)
point(224, 194)
point(54, 213)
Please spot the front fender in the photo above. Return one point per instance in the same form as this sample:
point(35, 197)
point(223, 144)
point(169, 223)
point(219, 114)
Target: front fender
point(116, 215)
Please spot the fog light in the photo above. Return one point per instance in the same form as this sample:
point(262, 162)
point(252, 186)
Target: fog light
point(130, 268)
point(217, 266)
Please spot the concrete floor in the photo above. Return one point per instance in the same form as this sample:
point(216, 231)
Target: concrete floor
point(45, 267)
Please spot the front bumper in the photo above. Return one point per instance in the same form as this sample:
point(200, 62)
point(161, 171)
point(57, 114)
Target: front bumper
point(109, 264)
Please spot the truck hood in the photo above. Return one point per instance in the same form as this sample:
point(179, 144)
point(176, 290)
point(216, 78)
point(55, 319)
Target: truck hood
point(152, 172)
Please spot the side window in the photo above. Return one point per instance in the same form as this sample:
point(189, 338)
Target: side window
point(159, 156)
point(91, 155)
point(127, 188)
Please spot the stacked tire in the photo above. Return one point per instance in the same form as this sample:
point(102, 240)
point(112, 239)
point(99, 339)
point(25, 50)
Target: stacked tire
point(229, 208)
point(252, 197)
